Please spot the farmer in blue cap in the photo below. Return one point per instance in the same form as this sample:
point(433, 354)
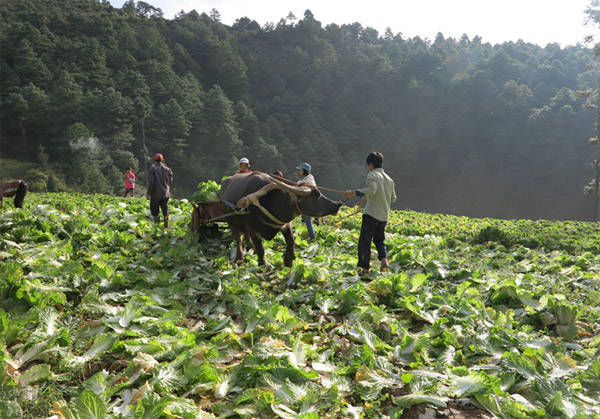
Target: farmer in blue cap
point(307, 179)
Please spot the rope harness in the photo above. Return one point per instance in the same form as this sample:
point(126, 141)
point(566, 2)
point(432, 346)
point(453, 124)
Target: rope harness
point(278, 223)
point(253, 199)
point(361, 204)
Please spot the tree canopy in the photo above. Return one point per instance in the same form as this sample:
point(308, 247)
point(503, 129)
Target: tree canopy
point(466, 127)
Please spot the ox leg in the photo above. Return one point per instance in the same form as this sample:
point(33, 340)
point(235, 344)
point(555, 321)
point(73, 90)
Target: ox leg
point(248, 242)
point(288, 234)
point(259, 249)
point(239, 251)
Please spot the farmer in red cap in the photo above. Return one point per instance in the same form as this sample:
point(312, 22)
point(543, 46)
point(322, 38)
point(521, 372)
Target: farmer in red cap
point(160, 178)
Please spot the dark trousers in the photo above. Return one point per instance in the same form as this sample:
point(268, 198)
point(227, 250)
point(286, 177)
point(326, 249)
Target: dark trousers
point(159, 203)
point(20, 195)
point(371, 230)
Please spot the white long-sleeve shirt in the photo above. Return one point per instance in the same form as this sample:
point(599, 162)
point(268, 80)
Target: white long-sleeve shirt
point(380, 192)
point(309, 180)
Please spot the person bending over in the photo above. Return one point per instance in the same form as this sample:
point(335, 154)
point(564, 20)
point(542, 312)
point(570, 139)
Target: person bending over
point(16, 188)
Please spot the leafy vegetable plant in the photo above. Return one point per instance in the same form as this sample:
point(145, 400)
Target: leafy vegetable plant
point(105, 315)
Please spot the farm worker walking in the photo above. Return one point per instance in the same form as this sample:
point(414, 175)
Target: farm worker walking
point(16, 188)
point(129, 177)
point(245, 165)
point(160, 178)
point(380, 194)
point(307, 179)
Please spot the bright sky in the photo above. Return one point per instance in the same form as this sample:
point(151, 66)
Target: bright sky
point(496, 21)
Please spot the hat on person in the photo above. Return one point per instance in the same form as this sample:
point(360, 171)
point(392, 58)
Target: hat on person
point(245, 160)
point(158, 157)
point(305, 166)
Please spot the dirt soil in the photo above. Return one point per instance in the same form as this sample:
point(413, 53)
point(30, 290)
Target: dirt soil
point(454, 410)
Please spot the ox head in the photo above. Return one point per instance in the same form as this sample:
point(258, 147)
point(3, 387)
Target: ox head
point(310, 201)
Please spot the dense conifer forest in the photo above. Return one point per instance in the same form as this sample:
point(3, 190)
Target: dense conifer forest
point(466, 127)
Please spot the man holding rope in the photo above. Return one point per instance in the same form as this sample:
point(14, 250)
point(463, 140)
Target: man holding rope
point(380, 194)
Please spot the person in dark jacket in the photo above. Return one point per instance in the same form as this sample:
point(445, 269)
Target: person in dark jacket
point(160, 178)
point(16, 188)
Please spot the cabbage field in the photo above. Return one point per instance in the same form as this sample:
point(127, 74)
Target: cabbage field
point(106, 315)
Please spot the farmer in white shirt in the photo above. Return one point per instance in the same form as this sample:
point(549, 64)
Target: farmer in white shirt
point(380, 194)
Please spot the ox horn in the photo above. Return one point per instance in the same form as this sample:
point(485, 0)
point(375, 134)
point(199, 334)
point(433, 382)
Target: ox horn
point(297, 190)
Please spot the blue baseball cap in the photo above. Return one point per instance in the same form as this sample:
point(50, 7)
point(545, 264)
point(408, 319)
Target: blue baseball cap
point(304, 166)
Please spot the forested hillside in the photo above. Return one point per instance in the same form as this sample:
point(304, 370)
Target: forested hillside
point(467, 127)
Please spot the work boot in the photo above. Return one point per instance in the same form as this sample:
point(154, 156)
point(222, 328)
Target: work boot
point(157, 219)
point(166, 221)
point(362, 271)
point(385, 265)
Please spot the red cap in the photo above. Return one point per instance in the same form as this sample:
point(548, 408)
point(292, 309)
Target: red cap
point(158, 157)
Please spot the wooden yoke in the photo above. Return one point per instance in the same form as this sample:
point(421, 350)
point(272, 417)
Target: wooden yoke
point(255, 196)
point(253, 199)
